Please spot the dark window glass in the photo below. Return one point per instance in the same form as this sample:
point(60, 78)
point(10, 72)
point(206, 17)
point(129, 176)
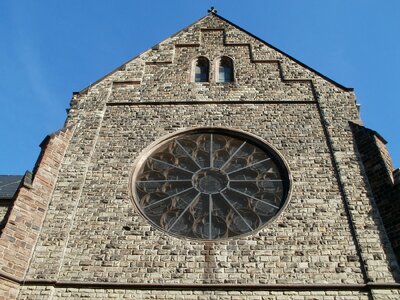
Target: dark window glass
point(201, 70)
point(225, 71)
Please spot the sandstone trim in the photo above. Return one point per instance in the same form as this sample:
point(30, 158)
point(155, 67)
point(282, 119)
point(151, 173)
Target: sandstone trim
point(224, 287)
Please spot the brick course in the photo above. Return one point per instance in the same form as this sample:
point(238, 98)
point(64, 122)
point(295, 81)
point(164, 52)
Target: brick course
point(20, 234)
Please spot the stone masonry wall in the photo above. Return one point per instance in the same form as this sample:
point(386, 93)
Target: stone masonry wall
point(329, 233)
point(307, 238)
point(3, 212)
point(72, 294)
point(25, 220)
point(379, 169)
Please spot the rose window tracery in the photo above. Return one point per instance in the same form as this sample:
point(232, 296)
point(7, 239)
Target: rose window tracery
point(210, 185)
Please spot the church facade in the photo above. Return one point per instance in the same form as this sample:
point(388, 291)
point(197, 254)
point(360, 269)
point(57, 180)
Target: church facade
point(212, 166)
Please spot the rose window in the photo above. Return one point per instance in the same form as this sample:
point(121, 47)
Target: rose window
point(210, 185)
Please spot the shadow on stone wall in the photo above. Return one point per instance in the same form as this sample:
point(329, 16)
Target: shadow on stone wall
point(384, 190)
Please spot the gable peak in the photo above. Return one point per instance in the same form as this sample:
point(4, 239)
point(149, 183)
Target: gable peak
point(212, 10)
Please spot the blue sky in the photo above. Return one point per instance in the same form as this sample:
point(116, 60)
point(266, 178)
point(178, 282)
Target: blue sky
point(48, 49)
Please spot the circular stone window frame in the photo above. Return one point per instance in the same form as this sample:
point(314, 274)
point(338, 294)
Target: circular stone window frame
point(161, 141)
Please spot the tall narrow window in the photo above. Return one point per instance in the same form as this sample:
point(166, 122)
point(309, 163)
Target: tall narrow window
point(201, 70)
point(225, 70)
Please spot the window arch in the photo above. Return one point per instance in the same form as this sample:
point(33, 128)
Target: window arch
point(201, 70)
point(225, 69)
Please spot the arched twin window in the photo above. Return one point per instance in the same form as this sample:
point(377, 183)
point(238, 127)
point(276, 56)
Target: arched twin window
point(224, 70)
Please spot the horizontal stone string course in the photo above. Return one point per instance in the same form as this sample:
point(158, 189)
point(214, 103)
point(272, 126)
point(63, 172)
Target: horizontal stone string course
point(226, 287)
point(250, 102)
point(126, 83)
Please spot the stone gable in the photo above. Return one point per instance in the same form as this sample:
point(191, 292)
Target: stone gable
point(328, 243)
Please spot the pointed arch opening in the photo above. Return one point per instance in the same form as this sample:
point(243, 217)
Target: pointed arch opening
point(225, 70)
point(201, 69)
